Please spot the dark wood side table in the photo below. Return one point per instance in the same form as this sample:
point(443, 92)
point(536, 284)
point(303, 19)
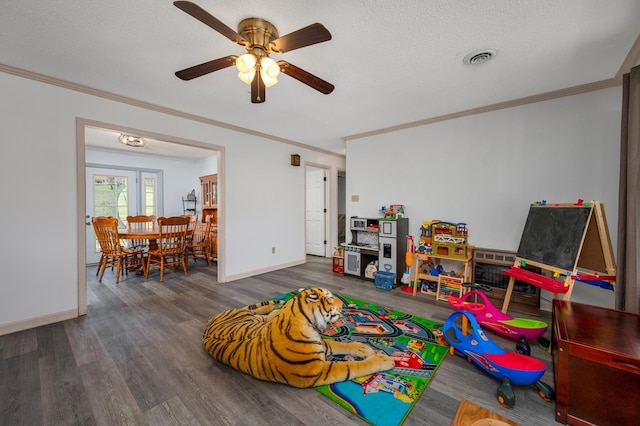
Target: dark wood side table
point(596, 360)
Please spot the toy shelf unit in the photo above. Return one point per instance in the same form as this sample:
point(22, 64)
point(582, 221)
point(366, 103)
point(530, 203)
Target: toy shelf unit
point(442, 242)
point(338, 260)
point(429, 269)
point(488, 269)
point(444, 239)
point(338, 264)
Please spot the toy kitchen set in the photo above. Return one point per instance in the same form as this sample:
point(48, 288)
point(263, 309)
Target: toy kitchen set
point(383, 240)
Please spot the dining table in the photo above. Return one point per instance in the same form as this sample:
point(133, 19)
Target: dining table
point(152, 235)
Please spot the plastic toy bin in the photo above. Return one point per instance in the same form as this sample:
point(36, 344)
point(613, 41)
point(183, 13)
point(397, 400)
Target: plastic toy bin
point(384, 280)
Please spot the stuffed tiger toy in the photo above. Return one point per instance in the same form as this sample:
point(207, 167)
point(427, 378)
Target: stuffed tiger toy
point(285, 345)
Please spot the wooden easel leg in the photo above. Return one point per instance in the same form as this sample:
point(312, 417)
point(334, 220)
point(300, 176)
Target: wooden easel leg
point(605, 239)
point(507, 296)
point(415, 274)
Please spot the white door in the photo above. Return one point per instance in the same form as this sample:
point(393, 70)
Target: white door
point(315, 211)
point(110, 192)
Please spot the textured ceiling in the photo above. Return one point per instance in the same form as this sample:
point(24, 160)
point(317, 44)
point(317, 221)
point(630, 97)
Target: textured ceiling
point(392, 62)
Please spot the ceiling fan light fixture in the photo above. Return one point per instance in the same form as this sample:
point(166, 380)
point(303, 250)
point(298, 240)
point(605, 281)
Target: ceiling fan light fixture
point(260, 38)
point(245, 63)
point(267, 80)
point(247, 77)
point(270, 67)
point(269, 71)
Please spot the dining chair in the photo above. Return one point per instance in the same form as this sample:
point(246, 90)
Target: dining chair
point(113, 253)
point(140, 223)
point(193, 219)
point(213, 235)
point(200, 245)
point(170, 252)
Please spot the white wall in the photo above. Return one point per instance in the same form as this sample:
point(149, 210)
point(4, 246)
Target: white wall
point(486, 169)
point(483, 170)
point(262, 195)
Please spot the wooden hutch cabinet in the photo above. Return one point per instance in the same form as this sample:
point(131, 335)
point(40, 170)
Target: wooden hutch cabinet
point(209, 197)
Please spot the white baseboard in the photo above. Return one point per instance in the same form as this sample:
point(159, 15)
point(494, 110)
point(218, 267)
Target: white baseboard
point(272, 268)
point(12, 327)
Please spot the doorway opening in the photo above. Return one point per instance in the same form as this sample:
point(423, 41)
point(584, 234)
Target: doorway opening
point(342, 206)
point(316, 210)
point(85, 127)
point(120, 192)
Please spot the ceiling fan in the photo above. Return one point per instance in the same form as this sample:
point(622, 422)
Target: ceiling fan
point(260, 38)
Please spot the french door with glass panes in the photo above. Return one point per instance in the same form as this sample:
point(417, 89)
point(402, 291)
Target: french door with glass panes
point(115, 192)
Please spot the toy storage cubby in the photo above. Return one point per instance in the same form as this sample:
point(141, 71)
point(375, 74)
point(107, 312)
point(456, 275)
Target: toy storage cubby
point(426, 262)
point(442, 242)
point(338, 265)
point(338, 260)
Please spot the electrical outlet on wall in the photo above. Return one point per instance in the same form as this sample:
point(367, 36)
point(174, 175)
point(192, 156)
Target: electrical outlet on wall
point(273, 250)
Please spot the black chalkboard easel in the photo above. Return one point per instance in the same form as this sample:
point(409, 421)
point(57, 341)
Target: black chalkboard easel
point(567, 241)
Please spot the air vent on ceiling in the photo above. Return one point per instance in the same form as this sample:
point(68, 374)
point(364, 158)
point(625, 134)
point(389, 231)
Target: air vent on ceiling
point(480, 56)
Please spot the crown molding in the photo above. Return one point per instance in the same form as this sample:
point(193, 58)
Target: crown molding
point(153, 107)
point(632, 59)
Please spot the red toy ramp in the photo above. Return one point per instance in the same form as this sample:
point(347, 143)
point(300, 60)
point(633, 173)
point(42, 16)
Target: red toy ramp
point(537, 280)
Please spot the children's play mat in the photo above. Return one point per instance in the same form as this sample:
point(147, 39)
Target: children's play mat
point(416, 345)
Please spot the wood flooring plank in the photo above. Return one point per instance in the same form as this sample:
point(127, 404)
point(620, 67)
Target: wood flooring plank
point(194, 304)
point(433, 408)
point(171, 412)
point(83, 340)
point(20, 397)
point(62, 391)
point(147, 386)
point(18, 343)
point(185, 344)
point(310, 407)
point(202, 393)
point(108, 394)
point(137, 358)
point(131, 291)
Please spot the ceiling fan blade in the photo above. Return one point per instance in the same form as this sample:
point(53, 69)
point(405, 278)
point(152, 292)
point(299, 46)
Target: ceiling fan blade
point(258, 91)
point(206, 68)
point(306, 77)
point(206, 18)
point(312, 34)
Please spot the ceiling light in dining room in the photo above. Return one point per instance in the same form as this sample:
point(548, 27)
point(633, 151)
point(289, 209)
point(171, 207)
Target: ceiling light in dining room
point(134, 141)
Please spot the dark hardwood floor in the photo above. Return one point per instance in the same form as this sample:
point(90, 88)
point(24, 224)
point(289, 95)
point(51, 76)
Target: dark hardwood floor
point(137, 358)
